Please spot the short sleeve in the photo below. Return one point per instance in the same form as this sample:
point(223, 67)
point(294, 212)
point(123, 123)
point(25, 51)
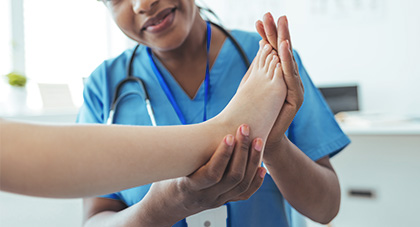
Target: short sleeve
point(314, 129)
point(92, 108)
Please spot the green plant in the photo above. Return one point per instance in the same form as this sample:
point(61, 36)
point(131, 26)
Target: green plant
point(16, 79)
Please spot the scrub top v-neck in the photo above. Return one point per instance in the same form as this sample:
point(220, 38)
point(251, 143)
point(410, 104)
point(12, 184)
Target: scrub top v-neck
point(168, 91)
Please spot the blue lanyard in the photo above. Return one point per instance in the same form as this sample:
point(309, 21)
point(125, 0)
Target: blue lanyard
point(168, 92)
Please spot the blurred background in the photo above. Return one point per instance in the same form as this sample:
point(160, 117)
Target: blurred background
point(363, 55)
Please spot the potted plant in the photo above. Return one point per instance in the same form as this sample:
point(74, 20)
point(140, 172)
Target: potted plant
point(16, 79)
point(16, 98)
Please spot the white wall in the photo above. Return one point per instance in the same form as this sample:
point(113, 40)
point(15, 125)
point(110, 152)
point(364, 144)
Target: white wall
point(375, 43)
point(5, 31)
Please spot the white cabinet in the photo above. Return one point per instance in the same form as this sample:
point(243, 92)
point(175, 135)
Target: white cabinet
point(379, 174)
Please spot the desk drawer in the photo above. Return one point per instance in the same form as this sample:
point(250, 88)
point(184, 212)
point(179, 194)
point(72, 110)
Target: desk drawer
point(380, 181)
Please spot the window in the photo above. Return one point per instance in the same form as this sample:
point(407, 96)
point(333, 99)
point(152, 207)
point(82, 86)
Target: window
point(5, 48)
point(5, 38)
point(64, 41)
point(60, 41)
point(52, 41)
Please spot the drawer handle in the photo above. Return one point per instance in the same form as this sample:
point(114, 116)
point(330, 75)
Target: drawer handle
point(361, 193)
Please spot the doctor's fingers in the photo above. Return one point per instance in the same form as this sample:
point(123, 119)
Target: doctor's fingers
point(283, 32)
point(267, 30)
point(295, 93)
point(238, 166)
point(256, 183)
point(253, 178)
point(259, 25)
point(233, 186)
point(290, 72)
point(212, 172)
point(270, 30)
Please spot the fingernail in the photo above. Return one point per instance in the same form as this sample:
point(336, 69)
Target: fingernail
point(283, 43)
point(263, 171)
point(229, 140)
point(288, 46)
point(245, 130)
point(287, 21)
point(258, 144)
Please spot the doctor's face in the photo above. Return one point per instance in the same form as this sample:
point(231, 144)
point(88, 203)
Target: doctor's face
point(159, 24)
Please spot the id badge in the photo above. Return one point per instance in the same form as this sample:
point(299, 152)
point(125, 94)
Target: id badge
point(216, 217)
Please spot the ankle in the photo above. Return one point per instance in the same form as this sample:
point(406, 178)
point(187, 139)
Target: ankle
point(223, 125)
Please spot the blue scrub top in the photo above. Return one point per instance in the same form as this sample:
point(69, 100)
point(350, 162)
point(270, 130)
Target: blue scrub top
point(314, 129)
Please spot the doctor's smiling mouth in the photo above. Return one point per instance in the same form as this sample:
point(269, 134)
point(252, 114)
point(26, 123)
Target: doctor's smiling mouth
point(163, 20)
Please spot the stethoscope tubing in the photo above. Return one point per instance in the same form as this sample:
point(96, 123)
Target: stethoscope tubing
point(148, 107)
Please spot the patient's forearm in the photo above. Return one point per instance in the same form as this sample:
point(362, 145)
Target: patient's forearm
point(87, 160)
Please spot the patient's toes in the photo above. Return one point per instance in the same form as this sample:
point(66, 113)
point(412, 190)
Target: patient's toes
point(270, 59)
point(278, 72)
point(257, 58)
point(264, 54)
point(272, 66)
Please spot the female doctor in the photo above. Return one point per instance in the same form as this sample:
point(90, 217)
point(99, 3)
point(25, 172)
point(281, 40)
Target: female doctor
point(172, 60)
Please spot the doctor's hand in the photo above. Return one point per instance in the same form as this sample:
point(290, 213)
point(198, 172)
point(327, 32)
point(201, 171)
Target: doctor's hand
point(279, 38)
point(233, 173)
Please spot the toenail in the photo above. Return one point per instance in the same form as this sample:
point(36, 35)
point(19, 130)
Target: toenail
point(267, 47)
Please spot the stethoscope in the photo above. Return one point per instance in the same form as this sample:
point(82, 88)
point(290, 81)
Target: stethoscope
point(130, 78)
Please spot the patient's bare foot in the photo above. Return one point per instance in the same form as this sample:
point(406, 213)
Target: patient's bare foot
point(259, 98)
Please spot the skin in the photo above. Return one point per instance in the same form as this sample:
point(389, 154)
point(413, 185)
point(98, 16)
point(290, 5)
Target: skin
point(316, 193)
point(175, 46)
point(215, 183)
point(83, 160)
point(66, 161)
point(312, 188)
point(208, 187)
